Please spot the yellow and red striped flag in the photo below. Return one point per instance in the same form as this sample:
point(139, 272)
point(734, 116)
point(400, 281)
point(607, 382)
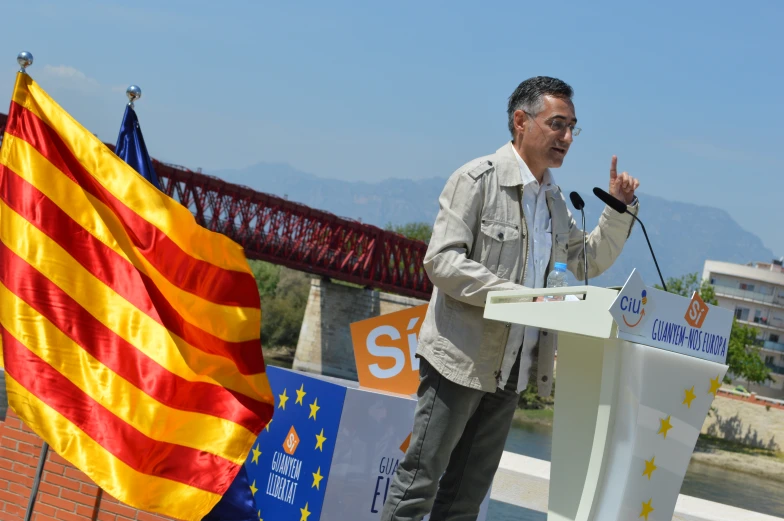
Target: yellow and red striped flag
point(130, 334)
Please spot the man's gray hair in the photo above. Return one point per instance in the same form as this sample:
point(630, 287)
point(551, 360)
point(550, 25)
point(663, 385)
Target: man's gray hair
point(528, 96)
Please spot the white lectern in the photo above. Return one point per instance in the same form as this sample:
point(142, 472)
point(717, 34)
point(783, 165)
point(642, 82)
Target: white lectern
point(637, 371)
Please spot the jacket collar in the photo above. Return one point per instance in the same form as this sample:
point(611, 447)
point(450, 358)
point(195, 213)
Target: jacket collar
point(508, 168)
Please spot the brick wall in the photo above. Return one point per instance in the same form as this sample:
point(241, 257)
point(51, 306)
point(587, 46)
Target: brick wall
point(64, 493)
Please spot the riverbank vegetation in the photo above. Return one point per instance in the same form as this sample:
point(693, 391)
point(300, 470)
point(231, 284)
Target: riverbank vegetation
point(284, 295)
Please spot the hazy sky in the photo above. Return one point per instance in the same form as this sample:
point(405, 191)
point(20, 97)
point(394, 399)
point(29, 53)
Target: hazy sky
point(687, 94)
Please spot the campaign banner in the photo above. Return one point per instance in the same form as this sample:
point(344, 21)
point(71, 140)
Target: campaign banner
point(289, 466)
point(331, 450)
point(385, 350)
point(668, 321)
point(375, 432)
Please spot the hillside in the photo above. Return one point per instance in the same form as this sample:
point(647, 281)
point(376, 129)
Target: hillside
point(683, 235)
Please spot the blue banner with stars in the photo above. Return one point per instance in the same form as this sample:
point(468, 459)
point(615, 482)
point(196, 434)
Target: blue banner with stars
point(288, 466)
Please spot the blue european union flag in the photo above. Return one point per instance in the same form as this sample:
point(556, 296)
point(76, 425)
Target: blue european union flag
point(289, 466)
point(237, 502)
point(130, 147)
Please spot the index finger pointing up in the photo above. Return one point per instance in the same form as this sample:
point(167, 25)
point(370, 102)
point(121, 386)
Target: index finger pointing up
point(614, 168)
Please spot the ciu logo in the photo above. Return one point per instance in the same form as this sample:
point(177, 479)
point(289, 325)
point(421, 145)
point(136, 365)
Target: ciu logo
point(634, 306)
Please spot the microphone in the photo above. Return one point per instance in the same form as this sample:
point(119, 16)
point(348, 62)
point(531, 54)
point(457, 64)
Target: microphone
point(579, 204)
point(619, 207)
point(610, 201)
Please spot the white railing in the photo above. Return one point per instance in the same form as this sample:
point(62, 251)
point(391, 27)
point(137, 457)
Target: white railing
point(770, 400)
point(525, 482)
point(734, 392)
point(748, 295)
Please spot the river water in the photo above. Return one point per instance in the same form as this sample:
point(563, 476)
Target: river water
point(701, 481)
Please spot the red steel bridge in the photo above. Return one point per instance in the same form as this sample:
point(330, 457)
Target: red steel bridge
point(283, 232)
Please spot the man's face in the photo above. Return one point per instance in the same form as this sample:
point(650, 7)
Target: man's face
point(542, 146)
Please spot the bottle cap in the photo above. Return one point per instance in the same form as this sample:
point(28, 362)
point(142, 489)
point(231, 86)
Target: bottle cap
point(561, 266)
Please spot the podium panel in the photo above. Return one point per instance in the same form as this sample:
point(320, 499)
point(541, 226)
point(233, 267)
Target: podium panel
point(661, 404)
point(584, 393)
point(637, 371)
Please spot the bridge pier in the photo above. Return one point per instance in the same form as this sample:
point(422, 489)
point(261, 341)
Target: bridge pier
point(324, 345)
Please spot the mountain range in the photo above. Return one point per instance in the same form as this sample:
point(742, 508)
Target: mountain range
point(683, 235)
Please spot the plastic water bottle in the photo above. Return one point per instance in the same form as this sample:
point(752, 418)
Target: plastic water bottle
point(556, 279)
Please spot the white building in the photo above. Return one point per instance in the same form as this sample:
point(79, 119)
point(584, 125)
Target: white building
point(755, 292)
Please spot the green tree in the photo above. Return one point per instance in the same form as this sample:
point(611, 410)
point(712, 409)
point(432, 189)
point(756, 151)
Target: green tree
point(743, 356)
point(416, 231)
point(284, 295)
point(283, 310)
point(266, 275)
point(686, 286)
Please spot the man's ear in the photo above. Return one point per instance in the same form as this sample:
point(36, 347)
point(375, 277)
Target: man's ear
point(520, 122)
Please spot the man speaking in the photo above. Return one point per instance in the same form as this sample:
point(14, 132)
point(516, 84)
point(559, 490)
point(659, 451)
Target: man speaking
point(502, 224)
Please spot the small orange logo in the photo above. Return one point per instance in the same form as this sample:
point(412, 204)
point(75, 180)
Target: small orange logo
point(697, 311)
point(406, 443)
point(291, 442)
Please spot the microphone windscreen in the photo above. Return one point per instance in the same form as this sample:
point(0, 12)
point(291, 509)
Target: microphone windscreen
point(609, 200)
point(577, 201)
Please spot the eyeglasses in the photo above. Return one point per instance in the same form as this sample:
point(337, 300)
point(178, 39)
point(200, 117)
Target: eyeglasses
point(558, 125)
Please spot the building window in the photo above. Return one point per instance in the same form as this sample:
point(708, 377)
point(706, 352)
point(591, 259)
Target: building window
point(742, 313)
point(768, 359)
point(774, 338)
point(747, 287)
point(719, 281)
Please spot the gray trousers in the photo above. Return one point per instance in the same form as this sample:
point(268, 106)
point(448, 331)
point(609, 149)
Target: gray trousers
point(459, 435)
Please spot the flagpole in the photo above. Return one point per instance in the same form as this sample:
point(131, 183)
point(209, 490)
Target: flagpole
point(133, 92)
point(25, 59)
point(39, 471)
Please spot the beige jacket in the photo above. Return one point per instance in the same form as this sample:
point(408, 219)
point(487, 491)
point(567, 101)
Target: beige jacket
point(479, 244)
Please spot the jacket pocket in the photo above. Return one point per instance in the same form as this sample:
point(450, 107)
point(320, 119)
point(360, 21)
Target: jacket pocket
point(561, 247)
point(500, 246)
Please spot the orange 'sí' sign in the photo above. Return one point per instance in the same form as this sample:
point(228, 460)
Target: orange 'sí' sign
point(385, 350)
point(697, 311)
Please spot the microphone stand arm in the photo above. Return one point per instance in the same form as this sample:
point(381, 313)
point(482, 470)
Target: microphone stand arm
point(585, 255)
point(650, 248)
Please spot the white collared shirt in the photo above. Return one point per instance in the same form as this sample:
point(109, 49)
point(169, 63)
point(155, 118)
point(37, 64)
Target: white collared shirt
point(540, 240)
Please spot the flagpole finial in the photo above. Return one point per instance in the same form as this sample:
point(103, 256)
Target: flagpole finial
point(133, 92)
point(24, 59)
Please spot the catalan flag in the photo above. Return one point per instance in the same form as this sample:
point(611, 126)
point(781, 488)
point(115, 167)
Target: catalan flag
point(130, 334)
